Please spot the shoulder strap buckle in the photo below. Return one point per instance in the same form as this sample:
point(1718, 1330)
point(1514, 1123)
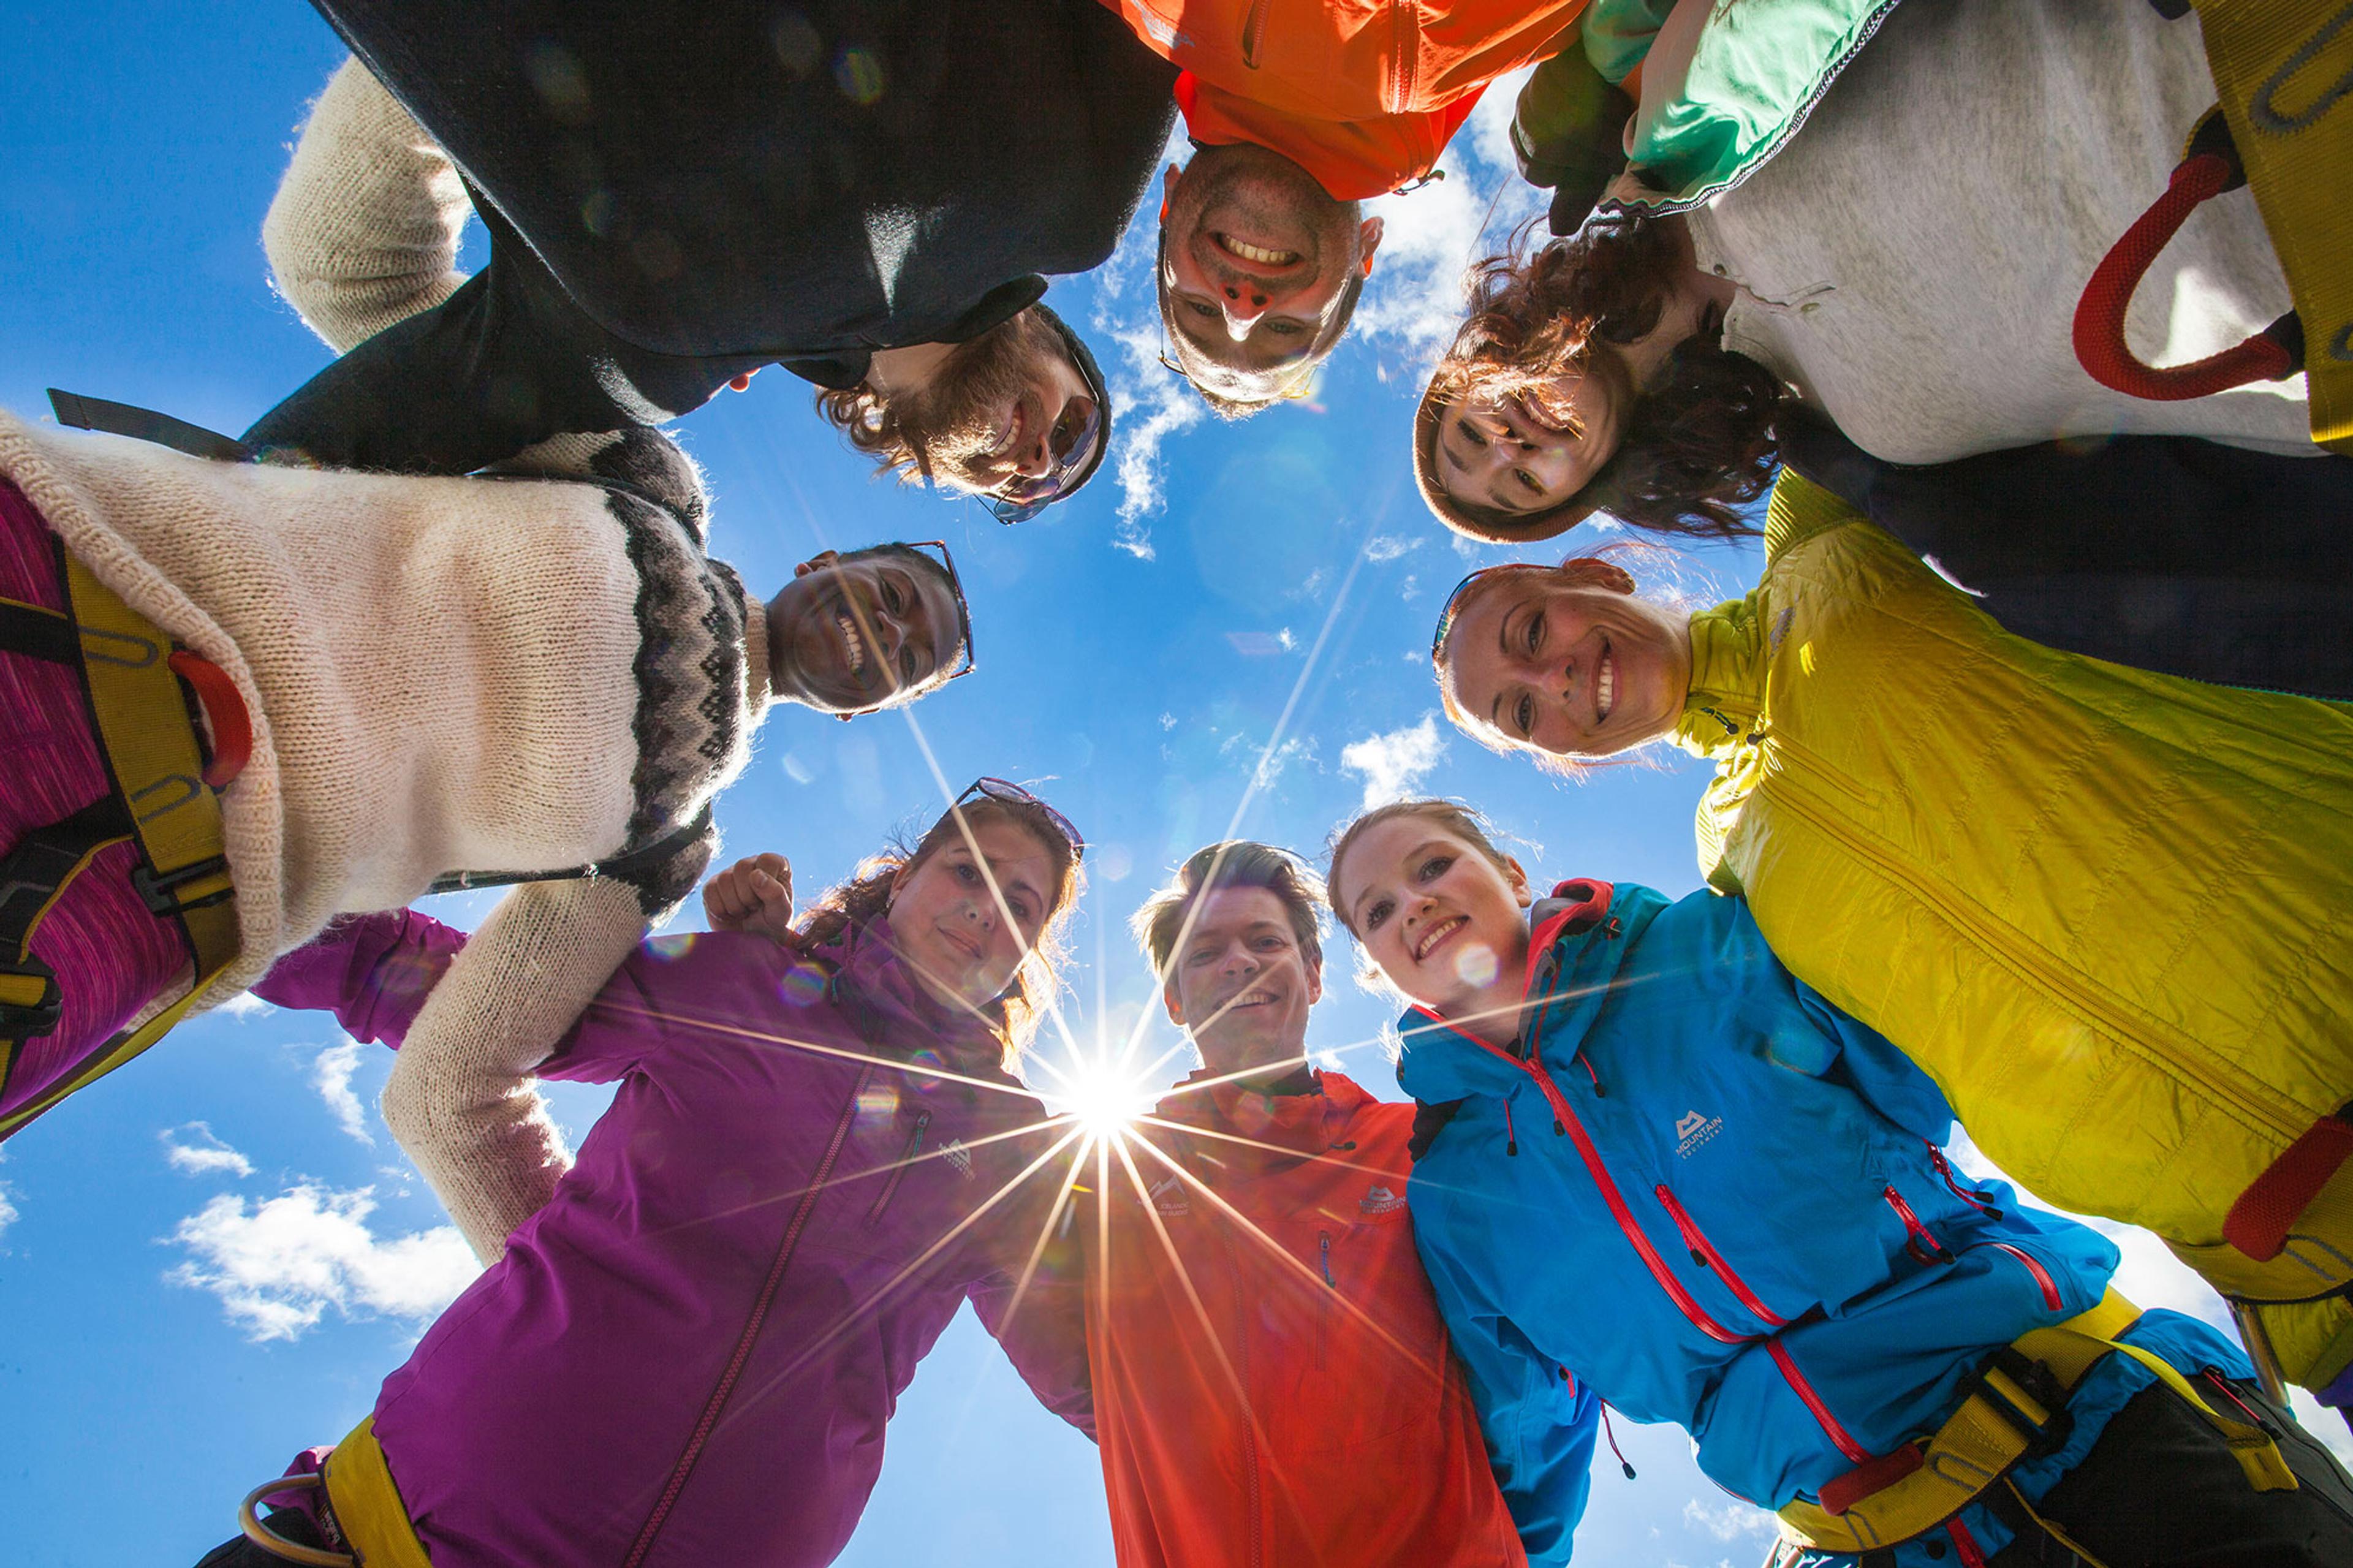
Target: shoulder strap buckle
point(159, 889)
point(31, 1003)
point(2016, 1388)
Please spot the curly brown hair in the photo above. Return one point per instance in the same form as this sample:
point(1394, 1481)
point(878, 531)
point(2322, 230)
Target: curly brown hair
point(866, 898)
point(1699, 443)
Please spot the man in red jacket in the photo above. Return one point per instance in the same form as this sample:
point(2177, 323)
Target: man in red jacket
point(1271, 1382)
point(1298, 112)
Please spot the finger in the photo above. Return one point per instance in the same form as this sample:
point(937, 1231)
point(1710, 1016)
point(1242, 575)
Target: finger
point(769, 888)
point(732, 899)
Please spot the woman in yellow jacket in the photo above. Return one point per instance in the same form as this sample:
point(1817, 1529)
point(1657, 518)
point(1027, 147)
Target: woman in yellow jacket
point(2110, 912)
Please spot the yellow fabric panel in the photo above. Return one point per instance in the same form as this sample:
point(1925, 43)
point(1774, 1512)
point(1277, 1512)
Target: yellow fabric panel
point(2110, 912)
point(367, 1504)
point(2282, 67)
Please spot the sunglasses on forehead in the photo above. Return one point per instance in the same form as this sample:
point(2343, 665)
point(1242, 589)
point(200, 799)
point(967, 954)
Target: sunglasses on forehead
point(1454, 607)
point(963, 662)
point(1006, 791)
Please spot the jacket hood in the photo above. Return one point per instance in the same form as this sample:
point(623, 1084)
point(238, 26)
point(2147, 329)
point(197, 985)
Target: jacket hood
point(894, 1015)
point(1301, 1125)
point(1568, 964)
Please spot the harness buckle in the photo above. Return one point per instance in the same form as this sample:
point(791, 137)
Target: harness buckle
point(159, 892)
point(2044, 1438)
point(25, 1020)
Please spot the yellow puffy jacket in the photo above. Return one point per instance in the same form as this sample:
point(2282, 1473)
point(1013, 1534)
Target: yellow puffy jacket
point(2110, 912)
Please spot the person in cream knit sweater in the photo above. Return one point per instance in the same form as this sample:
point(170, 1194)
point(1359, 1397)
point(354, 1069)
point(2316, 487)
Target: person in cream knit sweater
point(539, 669)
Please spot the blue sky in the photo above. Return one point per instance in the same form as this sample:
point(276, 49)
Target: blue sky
point(210, 1260)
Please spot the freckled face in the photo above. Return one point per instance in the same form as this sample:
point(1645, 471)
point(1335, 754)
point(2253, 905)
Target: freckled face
point(961, 941)
point(1440, 919)
point(1574, 670)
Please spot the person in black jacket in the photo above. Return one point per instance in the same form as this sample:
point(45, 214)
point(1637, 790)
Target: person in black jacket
point(677, 194)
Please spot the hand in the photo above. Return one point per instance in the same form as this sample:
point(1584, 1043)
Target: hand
point(756, 894)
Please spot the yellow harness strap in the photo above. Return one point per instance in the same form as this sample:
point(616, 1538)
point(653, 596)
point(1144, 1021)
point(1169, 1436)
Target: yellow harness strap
point(2282, 68)
point(368, 1506)
point(1982, 1441)
point(150, 744)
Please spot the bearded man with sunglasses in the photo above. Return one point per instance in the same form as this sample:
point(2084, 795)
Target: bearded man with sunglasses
point(677, 195)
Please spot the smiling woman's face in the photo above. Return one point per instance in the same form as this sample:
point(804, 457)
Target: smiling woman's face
point(847, 635)
point(1440, 919)
point(1504, 455)
point(1542, 662)
point(964, 939)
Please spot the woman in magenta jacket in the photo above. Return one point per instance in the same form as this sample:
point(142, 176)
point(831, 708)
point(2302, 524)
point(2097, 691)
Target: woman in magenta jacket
point(815, 1157)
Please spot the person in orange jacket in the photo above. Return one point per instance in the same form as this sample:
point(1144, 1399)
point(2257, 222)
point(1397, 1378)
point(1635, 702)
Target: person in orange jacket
point(1272, 1381)
point(1297, 113)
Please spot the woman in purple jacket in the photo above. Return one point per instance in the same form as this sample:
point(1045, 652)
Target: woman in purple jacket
point(814, 1156)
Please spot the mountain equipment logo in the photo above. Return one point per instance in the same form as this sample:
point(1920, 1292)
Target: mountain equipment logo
point(1694, 1129)
point(960, 1157)
point(1379, 1200)
point(1169, 1197)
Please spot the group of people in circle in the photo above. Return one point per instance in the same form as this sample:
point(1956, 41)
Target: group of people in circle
point(2031, 810)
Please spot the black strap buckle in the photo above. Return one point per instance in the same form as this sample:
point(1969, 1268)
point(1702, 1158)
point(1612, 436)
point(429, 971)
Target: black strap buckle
point(158, 889)
point(2043, 1438)
point(25, 1021)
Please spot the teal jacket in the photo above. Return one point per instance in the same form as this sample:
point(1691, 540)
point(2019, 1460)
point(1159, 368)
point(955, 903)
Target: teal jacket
point(1709, 1198)
point(1758, 68)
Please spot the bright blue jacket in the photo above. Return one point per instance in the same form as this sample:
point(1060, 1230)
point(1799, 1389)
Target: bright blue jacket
point(1709, 1198)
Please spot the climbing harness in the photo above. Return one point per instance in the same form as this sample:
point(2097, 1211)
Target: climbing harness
point(2016, 1410)
point(2284, 127)
point(363, 1500)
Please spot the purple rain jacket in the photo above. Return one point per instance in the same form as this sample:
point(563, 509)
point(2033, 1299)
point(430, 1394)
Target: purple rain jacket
point(613, 1390)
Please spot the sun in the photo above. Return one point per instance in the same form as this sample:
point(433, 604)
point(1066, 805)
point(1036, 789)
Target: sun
point(1103, 1096)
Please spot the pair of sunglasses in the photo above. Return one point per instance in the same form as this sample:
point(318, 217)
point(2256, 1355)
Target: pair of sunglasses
point(964, 664)
point(1072, 442)
point(1006, 792)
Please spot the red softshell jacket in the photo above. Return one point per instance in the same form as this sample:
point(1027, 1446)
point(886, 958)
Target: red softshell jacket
point(1362, 94)
point(1272, 1383)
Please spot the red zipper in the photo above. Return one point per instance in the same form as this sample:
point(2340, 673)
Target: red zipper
point(1627, 1224)
point(898, 1171)
point(1250, 1429)
point(644, 1543)
point(2041, 1275)
point(1813, 1401)
point(1944, 1169)
point(1922, 1244)
point(1704, 1253)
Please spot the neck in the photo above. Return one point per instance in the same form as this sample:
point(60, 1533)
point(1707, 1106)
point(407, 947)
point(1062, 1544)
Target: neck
point(1274, 1077)
point(890, 371)
point(1693, 298)
point(1492, 1012)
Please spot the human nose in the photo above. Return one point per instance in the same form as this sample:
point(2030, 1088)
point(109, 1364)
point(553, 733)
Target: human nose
point(1036, 459)
point(1239, 961)
point(1243, 307)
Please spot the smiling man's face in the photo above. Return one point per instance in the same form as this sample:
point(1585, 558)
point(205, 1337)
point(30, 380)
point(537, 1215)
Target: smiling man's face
point(1241, 983)
point(850, 633)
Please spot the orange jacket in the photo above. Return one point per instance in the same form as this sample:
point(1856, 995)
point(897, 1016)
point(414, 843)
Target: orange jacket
point(1309, 1409)
point(1362, 94)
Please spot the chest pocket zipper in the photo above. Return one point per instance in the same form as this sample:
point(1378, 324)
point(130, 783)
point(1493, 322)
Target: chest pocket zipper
point(898, 1171)
point(1323, 1307)
point(1703, 1253)
point(1253, 33)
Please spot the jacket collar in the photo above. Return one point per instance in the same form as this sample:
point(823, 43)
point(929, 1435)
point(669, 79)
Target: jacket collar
point(1573, 955)
point(1300, 1126)
point(896, 1017)
point(1727, 678)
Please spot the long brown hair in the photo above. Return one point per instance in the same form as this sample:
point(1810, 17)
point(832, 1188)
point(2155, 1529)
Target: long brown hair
point(866, 898)
point(1699, 442)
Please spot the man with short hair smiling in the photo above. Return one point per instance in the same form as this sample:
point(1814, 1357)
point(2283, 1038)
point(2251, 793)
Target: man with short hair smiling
point(1298, 114)
point(1272, 1383)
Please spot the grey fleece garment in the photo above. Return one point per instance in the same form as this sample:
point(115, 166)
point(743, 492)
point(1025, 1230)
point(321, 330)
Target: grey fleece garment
point(1912, 260)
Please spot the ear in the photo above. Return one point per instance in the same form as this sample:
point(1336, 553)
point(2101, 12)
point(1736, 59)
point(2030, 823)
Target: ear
point(1369, 239)
point(1176, 1008)
point(821, 561)
point(1592, 572)
point(1315, 982)
point(1170, 177)
point(1518, 878)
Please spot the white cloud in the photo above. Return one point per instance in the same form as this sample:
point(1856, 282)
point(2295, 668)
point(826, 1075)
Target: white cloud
point(7, 1210)
point(278, 1265)
point(1729, 1521)
point(201, 1152)
point(1390, 546)
point(246, 1004)
point(1394, 764)
point(1267, 765)
point(332, 1074)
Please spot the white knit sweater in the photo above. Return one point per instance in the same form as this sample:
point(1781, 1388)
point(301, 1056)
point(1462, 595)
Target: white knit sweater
point(443, 674)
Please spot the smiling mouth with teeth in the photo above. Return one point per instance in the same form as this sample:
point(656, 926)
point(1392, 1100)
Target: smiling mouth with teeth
point(1252, 999)
point(1437, 934)
point(1605, 684)
point(1257, 253)
point(853, 646)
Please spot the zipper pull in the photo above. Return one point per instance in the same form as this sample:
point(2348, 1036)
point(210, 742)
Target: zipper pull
point(1323, 1241)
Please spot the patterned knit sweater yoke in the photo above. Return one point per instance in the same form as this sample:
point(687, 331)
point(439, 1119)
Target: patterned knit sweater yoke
point(512, 674)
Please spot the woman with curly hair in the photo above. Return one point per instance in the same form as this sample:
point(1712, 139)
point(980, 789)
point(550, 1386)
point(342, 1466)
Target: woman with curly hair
point(1904, 260)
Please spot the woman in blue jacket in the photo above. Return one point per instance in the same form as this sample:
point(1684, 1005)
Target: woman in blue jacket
point(1655, 1170)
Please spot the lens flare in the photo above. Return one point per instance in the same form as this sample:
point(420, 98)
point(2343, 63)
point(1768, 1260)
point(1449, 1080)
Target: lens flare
point(1475, 965)
point(1104, 1097)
